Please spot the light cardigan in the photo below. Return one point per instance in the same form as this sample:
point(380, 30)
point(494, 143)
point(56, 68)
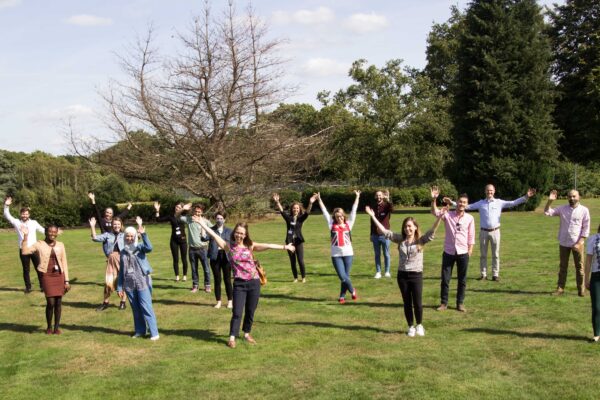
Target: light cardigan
point(44, 251)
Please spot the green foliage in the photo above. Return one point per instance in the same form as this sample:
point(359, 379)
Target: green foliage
point(568, 175)
point(503, 133)
point(575, 34)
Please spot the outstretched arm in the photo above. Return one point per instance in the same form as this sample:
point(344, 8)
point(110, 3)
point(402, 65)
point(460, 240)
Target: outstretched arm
point(324, 210)
point(311, 201)
point(277, 203)
point(269, 246)
point(378, 224)
point(435, 192)
point(10, 218)
point(551, 198)
point(93, 227)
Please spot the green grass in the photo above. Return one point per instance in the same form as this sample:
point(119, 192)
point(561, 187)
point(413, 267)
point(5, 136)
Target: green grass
point(516, 341)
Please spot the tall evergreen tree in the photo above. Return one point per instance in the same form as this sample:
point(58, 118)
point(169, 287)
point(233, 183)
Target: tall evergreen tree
point(503, 132)
point(575, 34)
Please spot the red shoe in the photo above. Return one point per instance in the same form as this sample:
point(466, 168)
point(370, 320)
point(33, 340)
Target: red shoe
point(342, 300)
point(354, 297)
point(57, 332)
point(48, 331)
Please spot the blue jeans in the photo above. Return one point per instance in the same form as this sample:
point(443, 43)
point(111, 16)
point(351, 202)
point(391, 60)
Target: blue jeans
point(198, 253)
point(343, 266)
point(143, 313)
point(381, 243)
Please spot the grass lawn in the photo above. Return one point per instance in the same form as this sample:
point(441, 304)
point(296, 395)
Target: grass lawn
point(516, 341)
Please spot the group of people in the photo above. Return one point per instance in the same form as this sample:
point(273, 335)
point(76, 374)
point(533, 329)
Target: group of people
point(231, 255)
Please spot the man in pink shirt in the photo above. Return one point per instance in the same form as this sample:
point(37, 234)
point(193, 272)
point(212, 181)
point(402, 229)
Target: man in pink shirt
point(574, 228)
point(458, 246)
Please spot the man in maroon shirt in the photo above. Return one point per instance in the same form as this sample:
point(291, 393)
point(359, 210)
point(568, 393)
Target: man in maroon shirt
point(383, 210)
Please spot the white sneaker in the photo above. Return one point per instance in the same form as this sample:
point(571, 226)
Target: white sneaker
point(230, 304)
point(378, 275)
point(155, 338)
point(136, 335)
point(420, 330)
point(411, 331)
point(388, 275)
point(218, 305)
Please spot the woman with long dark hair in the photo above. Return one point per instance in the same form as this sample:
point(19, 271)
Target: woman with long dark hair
point(342, 253)
point(293, 220)
point(410, 266)
point(246, 283)
point(54, 273)
point(178, 241)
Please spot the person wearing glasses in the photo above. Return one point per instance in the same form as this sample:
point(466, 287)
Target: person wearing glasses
point(458, 247)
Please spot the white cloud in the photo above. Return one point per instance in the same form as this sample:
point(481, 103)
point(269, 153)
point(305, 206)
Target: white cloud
point(64, 113)
point(366, 23)
point(9, 3)
point(322, 67)
point(319, 15)
point(88, 20)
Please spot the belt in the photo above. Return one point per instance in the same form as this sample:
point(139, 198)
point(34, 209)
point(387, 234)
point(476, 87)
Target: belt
point(490, 230)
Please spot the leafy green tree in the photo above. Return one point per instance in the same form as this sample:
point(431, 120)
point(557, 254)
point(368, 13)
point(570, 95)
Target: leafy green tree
point(575, 33)
point(503, 99)
point(8, 179)
point(394, 130)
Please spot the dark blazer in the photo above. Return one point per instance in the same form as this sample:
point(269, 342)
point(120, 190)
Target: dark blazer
point(213, 247)
point(294, 231)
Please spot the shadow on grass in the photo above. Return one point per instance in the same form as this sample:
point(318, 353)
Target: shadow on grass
point(93, 329)
point(288, 297)
point(6, 326)
point(10, 289)
point(527, 335)
point(169, 302)
point(176, 287)
point(83, 304)
point(334, 326)
point(77, 282)
point(198, 334)
point(508, 291)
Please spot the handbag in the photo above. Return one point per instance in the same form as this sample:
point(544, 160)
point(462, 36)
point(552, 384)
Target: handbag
point(262, 275)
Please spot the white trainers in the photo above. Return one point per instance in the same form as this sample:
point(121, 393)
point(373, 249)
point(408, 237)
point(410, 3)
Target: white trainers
point(388, 275)
point(420, 330)
point(378, 275)
point(230, 304)
point(155, 338)
point(411, 332)
point(218, 305)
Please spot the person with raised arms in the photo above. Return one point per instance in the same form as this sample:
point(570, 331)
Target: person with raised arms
point(135, 281)
point(246, 283)
point(32, 227)
point(198, 243)
point(458, 247)
point(105, 219)
point(219, 262)
point(383, 211)
point(112, 244)
point(342, 253)
point(178, 241)
point(294, 220)
point(410, 265)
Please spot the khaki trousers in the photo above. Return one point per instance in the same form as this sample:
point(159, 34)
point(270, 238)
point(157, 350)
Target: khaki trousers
point(493, 238)
point(564, 265)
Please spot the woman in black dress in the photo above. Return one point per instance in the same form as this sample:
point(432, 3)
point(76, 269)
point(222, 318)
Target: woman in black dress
point(178, 242)
point(294, 219)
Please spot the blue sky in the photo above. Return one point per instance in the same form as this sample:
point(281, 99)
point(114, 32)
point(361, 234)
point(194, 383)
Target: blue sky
point(58, 55)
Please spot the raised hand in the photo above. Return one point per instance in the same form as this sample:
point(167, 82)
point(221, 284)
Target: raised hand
point(157, 206)
point(435, 192)
point(138, 220)
point(531, 192)
point(276, 197)
point(92, 222)
point(447, 201)
point(369, 211)
point(313, 198)
point(141, 229)
point(129, 205)
point(357, 193)
point(552, 195)
point(187, 206)
point(386, 195)
point(92, 197)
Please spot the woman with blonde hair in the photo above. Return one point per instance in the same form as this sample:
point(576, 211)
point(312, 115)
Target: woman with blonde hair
point(342, 253)
point(410, 266)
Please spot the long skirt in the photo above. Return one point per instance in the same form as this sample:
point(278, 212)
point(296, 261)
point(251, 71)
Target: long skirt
point(112, 272)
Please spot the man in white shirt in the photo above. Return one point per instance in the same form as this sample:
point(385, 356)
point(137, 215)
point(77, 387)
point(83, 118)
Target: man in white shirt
point(33, 226)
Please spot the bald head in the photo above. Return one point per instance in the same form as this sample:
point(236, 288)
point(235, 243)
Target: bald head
point(573, 197)
point(490, 190)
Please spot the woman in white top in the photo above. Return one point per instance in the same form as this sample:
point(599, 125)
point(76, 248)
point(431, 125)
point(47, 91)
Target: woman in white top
point(410, 266)
point(592, 280)
point(342, 253)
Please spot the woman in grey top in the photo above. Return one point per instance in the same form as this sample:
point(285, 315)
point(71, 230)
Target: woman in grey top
point(410, 266)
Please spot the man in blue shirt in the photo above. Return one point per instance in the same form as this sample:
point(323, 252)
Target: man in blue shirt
point(490, 209)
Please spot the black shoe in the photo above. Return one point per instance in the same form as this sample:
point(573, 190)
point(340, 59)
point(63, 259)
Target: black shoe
point(496, 278)
point(27, 290)
point(102, 307)
point(122, 306)
point(482, 278)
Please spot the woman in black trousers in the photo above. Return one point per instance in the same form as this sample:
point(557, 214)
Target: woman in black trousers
point(178, 242)
point(293, 220)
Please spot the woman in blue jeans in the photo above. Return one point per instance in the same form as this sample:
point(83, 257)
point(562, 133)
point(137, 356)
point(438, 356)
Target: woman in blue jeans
point(342, 253)
point(135, 281)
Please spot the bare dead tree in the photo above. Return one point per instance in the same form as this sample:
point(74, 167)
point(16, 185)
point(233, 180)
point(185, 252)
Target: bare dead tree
point(193, 121)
